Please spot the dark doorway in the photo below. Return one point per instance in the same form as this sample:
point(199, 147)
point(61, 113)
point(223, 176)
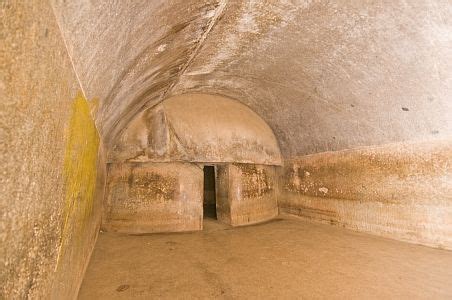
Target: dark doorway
point(209, 203)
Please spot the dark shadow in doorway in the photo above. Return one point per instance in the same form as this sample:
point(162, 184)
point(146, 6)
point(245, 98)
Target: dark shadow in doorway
point(209, 202)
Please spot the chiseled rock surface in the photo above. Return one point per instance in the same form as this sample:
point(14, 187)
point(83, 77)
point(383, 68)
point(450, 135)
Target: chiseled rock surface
point(325, 75)
point(153, 197)
point(197, 128)
point(49, 200)
point(402, 191)
point(246, 193)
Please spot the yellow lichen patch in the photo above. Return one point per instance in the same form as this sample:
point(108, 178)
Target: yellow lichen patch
point(80, 170)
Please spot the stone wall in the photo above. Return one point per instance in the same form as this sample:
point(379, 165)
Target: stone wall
point(153, 197)
point(197, 128)
point(50, 203)
point(401, 191)
point(324, 75)
point(246, 193)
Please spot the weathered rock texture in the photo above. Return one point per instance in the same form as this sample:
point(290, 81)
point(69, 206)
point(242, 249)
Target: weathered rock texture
point(154, 42)
point(198, 128)
point(325, 75)
point(246, 194)
point(403, 191)
point(193, 128)
point(153, 197)
point(49, 206)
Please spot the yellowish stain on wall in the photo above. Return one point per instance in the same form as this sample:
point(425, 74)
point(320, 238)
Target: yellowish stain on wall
point(80, 171)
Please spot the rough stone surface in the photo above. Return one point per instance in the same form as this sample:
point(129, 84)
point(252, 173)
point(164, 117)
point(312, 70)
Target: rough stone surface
point(153, 43)
point(246, 194)
point(198, 128)
point(325, 75)
point(153, 197)
point(403, 191)
point(49, 210)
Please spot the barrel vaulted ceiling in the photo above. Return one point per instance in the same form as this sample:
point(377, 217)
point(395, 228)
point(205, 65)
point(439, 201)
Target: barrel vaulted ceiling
point(325, 75)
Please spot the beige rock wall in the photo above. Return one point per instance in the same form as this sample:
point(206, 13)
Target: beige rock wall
point(325, 75)
point(401, 191)
point(49, 200)
point(246, 193)
point(153, 197)
point(197, 128)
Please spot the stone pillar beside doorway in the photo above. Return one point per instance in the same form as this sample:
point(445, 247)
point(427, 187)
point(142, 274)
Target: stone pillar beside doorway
point(246, 193)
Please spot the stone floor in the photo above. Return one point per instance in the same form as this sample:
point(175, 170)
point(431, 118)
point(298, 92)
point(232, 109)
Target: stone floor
point(285, 259)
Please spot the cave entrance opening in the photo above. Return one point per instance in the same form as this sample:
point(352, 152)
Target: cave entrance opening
point(209, 198)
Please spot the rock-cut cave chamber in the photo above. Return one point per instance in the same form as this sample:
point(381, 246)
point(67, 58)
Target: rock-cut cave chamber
point(226, 149)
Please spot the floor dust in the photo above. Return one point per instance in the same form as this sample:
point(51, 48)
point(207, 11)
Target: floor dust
point(287, 259)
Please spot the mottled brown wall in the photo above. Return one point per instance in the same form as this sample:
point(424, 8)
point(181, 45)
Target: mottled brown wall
point(153, 197)
point(49, 201)
point(246, 193)
point(193, 128)
point(401, 191)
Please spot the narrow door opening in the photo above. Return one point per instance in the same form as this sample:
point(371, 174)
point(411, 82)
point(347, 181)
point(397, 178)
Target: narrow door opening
point(209, 203)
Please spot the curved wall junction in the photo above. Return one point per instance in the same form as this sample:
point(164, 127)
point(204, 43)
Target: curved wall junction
point(197, 128)
point(357, 94)
point(162, 152)
point(326, 76)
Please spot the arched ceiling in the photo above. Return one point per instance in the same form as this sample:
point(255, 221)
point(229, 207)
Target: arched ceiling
point(197, 128)
point(325, 75)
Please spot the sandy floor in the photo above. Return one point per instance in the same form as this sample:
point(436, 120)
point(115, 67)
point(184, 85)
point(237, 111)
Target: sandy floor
point(285, 259)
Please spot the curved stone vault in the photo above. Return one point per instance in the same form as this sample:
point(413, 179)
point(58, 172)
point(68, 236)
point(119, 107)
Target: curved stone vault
point(324, 75)
point(197, 128)
point(338, 112)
